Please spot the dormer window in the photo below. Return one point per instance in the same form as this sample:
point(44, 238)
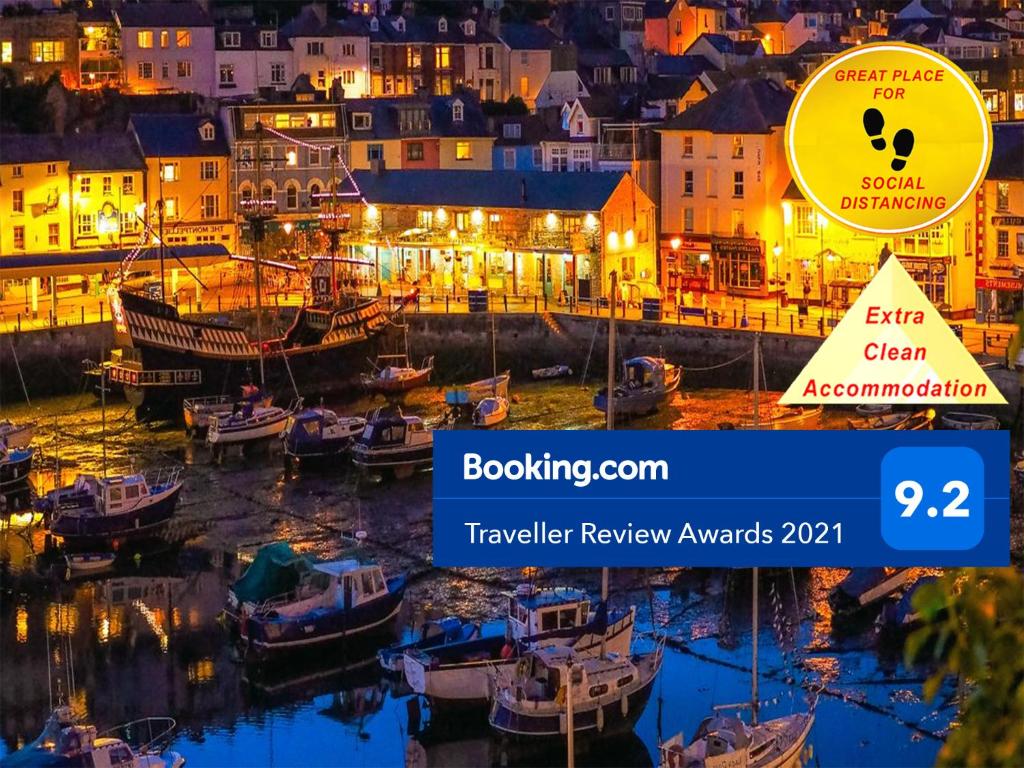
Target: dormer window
point(399, 24)
point(231, 39)
point(469, 27)
point(442, 25)
point(268, 38)
point(206, 132)
point(362, 121)
point(512, 130)
point(457, 111)
point(374, 25)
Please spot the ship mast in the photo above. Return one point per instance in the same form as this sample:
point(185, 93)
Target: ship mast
point(257, 217)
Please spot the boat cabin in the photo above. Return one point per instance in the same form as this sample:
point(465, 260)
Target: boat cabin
point(113, 494)
point(352, 582)
point(644, 373)
point(386, 430)
point(544, 671)
point(533, 611)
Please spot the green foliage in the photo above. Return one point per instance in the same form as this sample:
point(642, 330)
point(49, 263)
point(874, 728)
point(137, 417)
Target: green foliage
point(974, 631)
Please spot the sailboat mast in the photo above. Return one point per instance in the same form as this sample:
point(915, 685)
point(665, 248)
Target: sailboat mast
point(334, 224)
point(103, 416)
point(258, 224)
point(610, 413)
point(757, 381)
point(494, 355)
point(753, 674)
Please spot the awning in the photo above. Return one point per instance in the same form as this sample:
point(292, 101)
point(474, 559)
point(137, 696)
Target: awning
point(93, 262)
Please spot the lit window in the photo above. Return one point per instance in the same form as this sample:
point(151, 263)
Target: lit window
point(6, 52)
point(442, 57)
point(170, 207)
point(86, 185)
point(145, 70)
point(169, 171)
point(17, 201)
point(128, 185)
point(47, 50)
point(227, 74)
point(463, 150)
point(165, 38)
point(145, 38)
point(19, 237)
point(183, 38)
point(53, 235)
point(687, 146)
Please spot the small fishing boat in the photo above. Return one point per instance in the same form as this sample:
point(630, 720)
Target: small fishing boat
point(276, 571)
point(393, 374)
point(393, 442)
point(897, 420)
point(248, 423)
point(89, 562)
point(98, 511)
point(319, 433)
point(434, 633)
point(873, 409)
point(199, 411)
point(551, 372)
point(969, 421)
point(646, 382)
point(64, 742)
point(473, 393)
point(15, 467)
point(898, 617)
point(724, 741)
point(864, 587)
point(16, 435)
point(785, 417)
point(457, 673)
point(490, 411)
point(341, 598)
point(608, 692)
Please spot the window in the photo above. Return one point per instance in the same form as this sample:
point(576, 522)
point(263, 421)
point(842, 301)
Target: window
point(144, 38)
point(170, 171)
point(315, 48)
point(609, 13)
point(227, 74)
point(463, 150)
point(442, 25)
point(348, 76)
point(128, 185)
point(737, 222)
point(376, 57)
point(145, 70)
point(18, 201)
point(211, 206)
point(231, 39)
point(314, 156)
point(51, 169)
point(486, 57)
point(538, 157)
point(737, 184)
point(19, 238)
point(1020, 243)
point(687, 146)
point(687, 183)
point(348, 49)
point(170, 207)
point(509, 160)
point(129, 222)
point(165, 70)
point(559, 159)
point(85, 222)
point(85, 185)
point(53, 235)
point(291, 196)
point(108, 184)
point(268, 38)
point(737, 146)
point(687, 219)
point(374, 151)
point(47, 50)
point(581, 159)
point(1002, 196)
point(362, 121)
point(165, 38)
point(321, 78)
point(442, 57)
point(207, 132)
point(16, 171)
point(414, 150)
point(184, 69)
point(1002, 244)
point(512, 130)
point(6, 52)
point(457, 111)
point(183, 38)
point(208, 170)
point(806, 220)
point(277, 74)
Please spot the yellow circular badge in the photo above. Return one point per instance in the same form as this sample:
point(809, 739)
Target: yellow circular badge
point(888, 138)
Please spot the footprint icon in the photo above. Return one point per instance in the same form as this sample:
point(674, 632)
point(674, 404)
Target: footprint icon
point(873, 125)
point(903, 143)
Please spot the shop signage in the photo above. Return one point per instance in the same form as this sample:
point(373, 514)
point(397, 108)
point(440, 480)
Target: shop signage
point(736, 245)
point(999, 283)
point(1008, 221)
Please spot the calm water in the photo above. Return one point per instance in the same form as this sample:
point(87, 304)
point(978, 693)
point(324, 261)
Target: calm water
point(144, 640)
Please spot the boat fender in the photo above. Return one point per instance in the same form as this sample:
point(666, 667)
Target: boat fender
point(624, 704)
point(600, 719)
point(560, 696)
point(563, 725)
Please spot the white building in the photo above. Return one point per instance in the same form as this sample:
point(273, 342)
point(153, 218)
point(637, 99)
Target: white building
point(249, 57)
point(166, 47)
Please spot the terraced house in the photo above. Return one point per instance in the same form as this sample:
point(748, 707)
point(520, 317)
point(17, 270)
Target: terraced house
point(166, 47)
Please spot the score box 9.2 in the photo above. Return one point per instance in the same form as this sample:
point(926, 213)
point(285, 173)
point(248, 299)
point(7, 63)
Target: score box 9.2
point(933, 498)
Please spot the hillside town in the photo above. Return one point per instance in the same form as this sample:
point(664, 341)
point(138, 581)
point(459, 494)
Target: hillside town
point(528, 148)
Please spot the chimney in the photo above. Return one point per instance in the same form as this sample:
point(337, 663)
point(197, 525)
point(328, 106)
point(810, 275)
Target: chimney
point(522, 189)
point(377, 166)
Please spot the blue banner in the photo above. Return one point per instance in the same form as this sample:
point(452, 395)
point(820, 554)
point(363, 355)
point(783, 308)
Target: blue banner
point(724, 498)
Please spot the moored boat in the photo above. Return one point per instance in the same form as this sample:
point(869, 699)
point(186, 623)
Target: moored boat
point(16, 435)
point(98, 511)
point(646, 382)
point(199, 411)
point(89, 562)
point(609, 692)
point(873, 409)
point(394, 374)
point(490, 411)
point(457, 673)
point(725, 741)
point(784, 417)
point(15, 468)
point(313, 434)
point(393, 442)
point(963, 420)
point(864, 587)
point(276, 571)
point(248, 424)
point(474, 392)
point(551, 372)
point(897, 420)
point(434, 633)
point(343, 598)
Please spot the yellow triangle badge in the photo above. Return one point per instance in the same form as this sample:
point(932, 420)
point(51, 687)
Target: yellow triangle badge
point(892, 347)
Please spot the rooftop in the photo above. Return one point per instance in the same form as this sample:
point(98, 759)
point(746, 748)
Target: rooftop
point(184, 14)
point(742, 106)
point(178, 135)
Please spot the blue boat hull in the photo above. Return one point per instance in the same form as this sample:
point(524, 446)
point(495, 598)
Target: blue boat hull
point(80, 530)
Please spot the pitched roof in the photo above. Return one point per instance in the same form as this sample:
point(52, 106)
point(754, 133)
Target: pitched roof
point(103, 152)
point(186, 14)
point(426, 29)
point(18, 148)
point(528, 37)
point(385, 122)
point(742, 106)
point(308, 24)
point(1007, 151)
point(490, 189)
point(249, 38)
point(658, 9)
point(178, 135)
point(692, 65)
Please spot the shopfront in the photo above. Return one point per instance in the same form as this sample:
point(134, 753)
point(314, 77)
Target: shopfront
point(685, 266)
point(739, 266)
point(998, 299)
point(932, 275)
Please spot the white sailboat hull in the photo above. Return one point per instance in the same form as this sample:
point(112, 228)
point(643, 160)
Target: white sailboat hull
point(264, 423)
